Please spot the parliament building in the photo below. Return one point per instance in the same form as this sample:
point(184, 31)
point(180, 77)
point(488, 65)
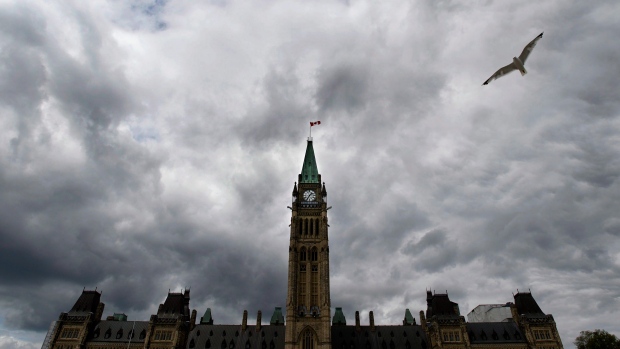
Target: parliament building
point(309, 322)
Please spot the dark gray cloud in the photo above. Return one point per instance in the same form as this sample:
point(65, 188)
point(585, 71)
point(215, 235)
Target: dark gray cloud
point(153, 145)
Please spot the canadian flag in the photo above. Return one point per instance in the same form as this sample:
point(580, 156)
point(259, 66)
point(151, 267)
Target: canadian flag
point(314, 123)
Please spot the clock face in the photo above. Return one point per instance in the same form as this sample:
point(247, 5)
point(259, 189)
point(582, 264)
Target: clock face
point(309, 195)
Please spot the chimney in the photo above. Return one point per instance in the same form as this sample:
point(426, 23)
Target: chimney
point(357, 321)
point(99, 313)
point(371, 316)
point(192, 321)
point(244, 322)
point(258, 319)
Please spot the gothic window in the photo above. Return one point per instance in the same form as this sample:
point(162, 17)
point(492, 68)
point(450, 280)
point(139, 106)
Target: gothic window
point(119, 334)
point(407, 345)
point(223, 333)
point(107, 334)
point(506, 335)
point(248, 345)
point(305, 227)
point(236, 333)
point(208, 343)
point(314, 255)
point(223, 346)
point(311, 227)
point(97, 332)
point(316, 227)
point(231, 345)
point(130, 334)
point(302, 254)
point(143, 334)
point(192, 344)
point(308, 340)
point(198, 333)
point(451, 336)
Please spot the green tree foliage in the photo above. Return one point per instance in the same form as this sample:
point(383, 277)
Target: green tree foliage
point(597, 339)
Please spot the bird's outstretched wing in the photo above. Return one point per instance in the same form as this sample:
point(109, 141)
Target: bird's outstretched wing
point(528, 48)
point(501, 72)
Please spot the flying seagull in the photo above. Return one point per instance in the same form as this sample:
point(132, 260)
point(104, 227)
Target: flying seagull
point(517, 63)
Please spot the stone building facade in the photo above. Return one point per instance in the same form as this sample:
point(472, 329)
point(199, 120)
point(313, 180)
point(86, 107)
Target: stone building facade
point(309, 323)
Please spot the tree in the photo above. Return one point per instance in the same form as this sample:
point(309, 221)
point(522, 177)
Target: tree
point(597, 339)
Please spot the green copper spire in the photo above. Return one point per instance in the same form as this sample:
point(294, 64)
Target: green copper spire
point(339, 318)
point(309, 171)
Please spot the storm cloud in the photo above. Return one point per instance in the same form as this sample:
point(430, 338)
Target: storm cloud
point(149, 146)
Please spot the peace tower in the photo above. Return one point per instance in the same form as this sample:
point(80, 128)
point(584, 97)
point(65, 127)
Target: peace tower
point(308, 301)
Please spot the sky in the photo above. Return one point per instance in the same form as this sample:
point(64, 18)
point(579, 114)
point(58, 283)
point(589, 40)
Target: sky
point(148, 146)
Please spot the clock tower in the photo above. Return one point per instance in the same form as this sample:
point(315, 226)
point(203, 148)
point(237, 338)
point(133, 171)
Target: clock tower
point(308, 303)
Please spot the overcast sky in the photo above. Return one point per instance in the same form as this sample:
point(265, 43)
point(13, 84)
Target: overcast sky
point(148, 146)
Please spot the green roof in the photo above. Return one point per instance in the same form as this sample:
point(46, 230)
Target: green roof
point(339, 317)
point(309, 171)
point(206, 318)
point(408, 318)
point(277, 318)
point(119, 317)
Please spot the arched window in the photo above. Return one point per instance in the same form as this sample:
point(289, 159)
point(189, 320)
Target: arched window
point(302, 254)
point(316, 227)
point(143, 334)
point(311, 227)
point(192, 344)
point(305, 227)
point(248, 345)
point(208, 344)
point(308, 340)
point(107, 334)
point(314, 254)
